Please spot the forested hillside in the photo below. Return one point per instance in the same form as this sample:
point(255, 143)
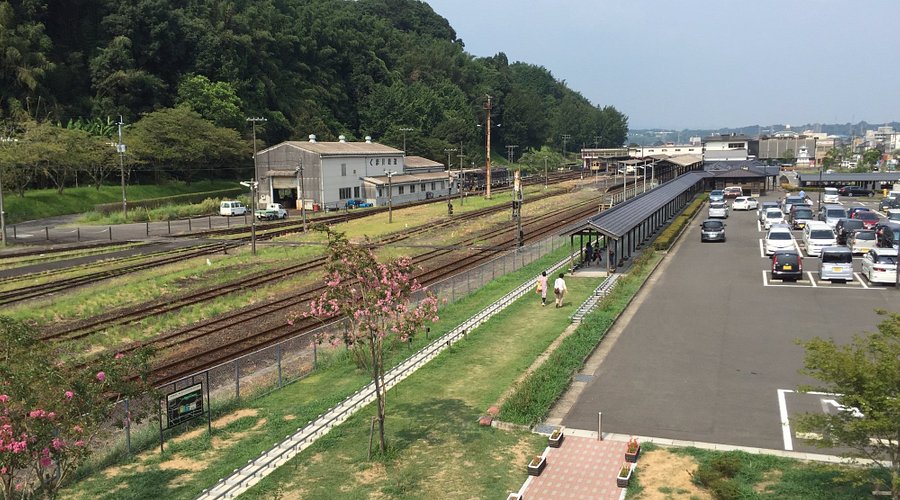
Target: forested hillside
point(324, 67)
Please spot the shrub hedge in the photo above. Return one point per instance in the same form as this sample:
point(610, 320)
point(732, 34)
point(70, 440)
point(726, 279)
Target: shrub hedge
point(534, 396)
point(665, 240)
point(107, 208)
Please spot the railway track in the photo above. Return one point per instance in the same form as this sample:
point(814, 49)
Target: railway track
point(230, 345)
point(42, 289)
point(96, 324)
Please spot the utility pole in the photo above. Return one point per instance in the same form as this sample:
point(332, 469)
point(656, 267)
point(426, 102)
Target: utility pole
point(405, 130)
point(302, 187)
point(254, 121)
point(545, 172)
point(565, 139)
point(449, 181)
point(487, 167)
point(120, 148)
point(511, 152)
point(461, 157)
point(596, 141)
point(2, 213)
point(390, 175)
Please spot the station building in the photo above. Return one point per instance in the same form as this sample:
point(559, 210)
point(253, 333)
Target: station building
point(329, 174)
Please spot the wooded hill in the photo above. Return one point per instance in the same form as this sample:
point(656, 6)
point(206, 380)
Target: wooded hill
point(324, 67)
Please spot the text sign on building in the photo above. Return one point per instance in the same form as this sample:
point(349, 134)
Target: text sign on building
point(184, 405)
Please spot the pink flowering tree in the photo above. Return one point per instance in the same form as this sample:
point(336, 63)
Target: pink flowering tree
point(51, 412)
point(377, 301)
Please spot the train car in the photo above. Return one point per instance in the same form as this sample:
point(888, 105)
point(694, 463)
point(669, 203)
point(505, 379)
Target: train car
point(475, 179)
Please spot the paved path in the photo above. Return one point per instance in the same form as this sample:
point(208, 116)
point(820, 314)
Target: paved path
point(582, 467)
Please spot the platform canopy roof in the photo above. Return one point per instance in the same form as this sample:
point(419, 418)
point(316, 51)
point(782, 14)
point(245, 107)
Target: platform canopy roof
point(617, 221)
point(849, 177)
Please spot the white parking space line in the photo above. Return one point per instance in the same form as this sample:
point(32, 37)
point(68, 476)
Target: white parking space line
point(861, 281)
point(758, 226)
point(811, 279)
point(762, 251)
point(785, 423)
point(797, 247)
point(765, 278)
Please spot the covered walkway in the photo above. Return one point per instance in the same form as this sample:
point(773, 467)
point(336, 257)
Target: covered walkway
point(627, 226)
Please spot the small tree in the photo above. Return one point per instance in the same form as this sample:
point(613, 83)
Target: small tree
point(375, 299)
point(52, 412)
point(864, 375)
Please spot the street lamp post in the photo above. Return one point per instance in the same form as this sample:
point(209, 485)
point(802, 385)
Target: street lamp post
point(120, 148)
point(545, 172)
point(302, 187)
point(405, 130)
point(252, 184)
point(390, 175)
point(820, 186)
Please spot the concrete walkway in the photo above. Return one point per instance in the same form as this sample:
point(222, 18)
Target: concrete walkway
point(582, 468)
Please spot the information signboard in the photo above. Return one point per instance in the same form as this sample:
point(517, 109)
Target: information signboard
point(184, 405)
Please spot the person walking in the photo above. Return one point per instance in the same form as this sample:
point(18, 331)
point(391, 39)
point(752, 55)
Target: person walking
point(597, 255)
point(588, 254)
point(542, 287)
point(559, 289)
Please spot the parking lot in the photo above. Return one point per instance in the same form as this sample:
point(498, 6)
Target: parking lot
point(710, 353)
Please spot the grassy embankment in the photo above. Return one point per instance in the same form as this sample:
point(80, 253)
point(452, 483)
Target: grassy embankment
point(433, 412)
point(43, 203)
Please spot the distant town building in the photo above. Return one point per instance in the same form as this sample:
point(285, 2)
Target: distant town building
point(788, 144)
point(883, 137)
point(669, 149)
point(726, 147)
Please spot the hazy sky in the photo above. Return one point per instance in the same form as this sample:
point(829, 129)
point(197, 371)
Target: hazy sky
point(703, 64)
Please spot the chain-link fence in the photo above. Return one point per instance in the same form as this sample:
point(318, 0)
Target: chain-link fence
point(272, 367)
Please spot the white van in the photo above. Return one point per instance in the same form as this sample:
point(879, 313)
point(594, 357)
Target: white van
point(816, 236)
point(830, 195)
point(231, 207)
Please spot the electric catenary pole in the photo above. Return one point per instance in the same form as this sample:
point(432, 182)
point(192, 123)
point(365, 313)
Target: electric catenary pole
point(120, 148)
point(487, 165)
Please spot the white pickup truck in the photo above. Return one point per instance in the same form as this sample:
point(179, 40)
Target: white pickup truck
point(271, 212)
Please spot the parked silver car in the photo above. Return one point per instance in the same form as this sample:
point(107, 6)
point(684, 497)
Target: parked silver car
point(718, 210)
point(712, 230)
point(836, 264)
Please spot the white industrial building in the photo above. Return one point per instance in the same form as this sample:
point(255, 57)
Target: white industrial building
point(329, 174)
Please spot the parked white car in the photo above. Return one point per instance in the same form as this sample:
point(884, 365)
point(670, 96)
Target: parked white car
point(773, 216)
point(816, 236)
point(231, 207)
point(879, 265)
point(861, 242)
point(718, 210)
point(761, 210)
point(778, 238)
point(830, 195)
point(745, 203)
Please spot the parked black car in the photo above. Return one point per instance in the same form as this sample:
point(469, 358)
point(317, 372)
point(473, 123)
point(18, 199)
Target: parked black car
point(712, 230)
point(888, 234)
point(888, 204)
point(846, 226)
point(787, 265)
point(854, 191)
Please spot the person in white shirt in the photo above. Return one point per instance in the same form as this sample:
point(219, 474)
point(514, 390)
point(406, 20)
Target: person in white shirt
point(559, 289)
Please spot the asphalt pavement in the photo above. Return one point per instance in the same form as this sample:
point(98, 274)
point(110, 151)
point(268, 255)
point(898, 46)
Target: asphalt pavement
point(710, 344)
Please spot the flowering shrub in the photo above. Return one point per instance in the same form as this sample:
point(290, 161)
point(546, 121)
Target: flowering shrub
point(50, 412)
point(376, 300)
point(633, 445)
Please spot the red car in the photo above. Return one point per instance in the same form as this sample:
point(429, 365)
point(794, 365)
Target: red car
point(869, 219)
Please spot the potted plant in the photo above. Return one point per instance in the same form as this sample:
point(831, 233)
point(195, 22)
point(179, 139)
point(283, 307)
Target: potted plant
point(556, 438)
point(624, 475)
point(632, 451)
point(514, 496)
point(537, 464)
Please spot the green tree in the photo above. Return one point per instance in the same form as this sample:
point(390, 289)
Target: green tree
point(182, 142)
point(23, 56)
point(871, 157)
point(864, 375)
point(788, 156)
point(215, 101)
point(52, 411)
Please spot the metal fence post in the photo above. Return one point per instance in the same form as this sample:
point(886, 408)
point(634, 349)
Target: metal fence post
point(110, 233)
point(227, 221)
point(278, 357)
point(127, 427)
point(315, 356)
point(237, 378)
point(189, 225)
point(47, 232)
point(78, 233)
point(209, 221)
point(14, 233)
point(148, 227)
point(169, 225)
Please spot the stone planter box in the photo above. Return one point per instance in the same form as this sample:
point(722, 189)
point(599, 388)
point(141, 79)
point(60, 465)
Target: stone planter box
point(535, 469)
point(555, 439)
point(632, 457)
point(623, 480)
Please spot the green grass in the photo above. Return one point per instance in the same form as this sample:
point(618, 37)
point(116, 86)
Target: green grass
point(743, 475)
point(42, 203)
point(533, 397)
point(433, 412)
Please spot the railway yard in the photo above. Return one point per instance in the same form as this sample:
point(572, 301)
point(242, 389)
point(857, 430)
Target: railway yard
point(202, 299)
